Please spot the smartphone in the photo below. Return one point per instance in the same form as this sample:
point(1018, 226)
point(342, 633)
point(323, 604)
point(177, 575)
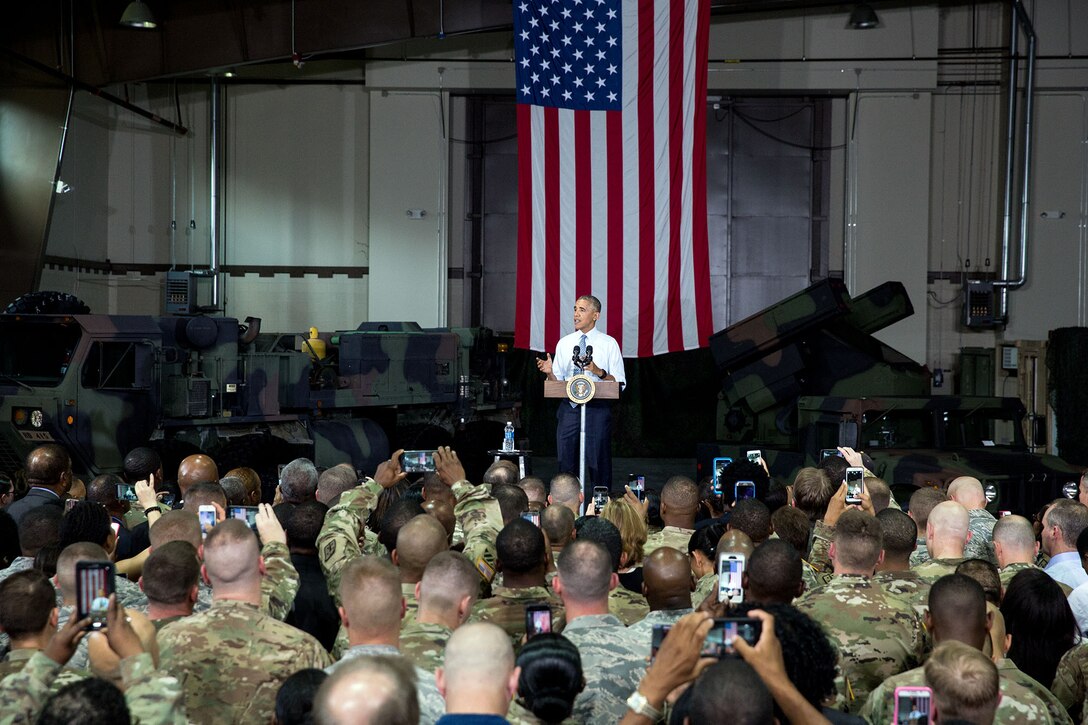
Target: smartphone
point(70, 504)
point(116, 528)
point(1003, 513)
point(828, 452)
point(206, 513)
point(743, 490)
point(754, 456)
point(730, 572)
point(855, 484)
point(720, 465)
point(538, 619)
point(95, 582)
point(533, 517)
point(166, 498)
point(600, 498)
point(245, 513)
point(637, 484)
point(657, 636)
point(728, 629)
point(417, 461)
point(126, 492)
point(913, 705)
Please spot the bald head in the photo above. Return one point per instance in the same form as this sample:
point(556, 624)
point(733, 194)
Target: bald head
point(443, 512)
point(177, 526)
point(371, 599)
point(369, 690)
point(197, 468)
point(734, 540)
point(417, 543)
point(231, 558)
point(1014, 541)
point(252, 482)
point(946, 530)
point(479, 658)
point(49, 466)
point(504, 472)
point(967, 492)
point(666, 579)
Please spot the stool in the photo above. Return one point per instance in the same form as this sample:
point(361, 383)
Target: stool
point(521, 455)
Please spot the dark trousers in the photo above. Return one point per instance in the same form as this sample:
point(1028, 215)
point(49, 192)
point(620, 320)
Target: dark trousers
point(598, 443)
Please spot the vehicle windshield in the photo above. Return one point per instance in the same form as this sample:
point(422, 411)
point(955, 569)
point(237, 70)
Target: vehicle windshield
point(36, 353)
point(913, 428)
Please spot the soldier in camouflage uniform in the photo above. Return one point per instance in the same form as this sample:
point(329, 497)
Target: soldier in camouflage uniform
point(679, 504)
point(1071, 681)
point(418, 541)
point(523, 562)
point(878, 634)
point(233, 658)
point(900, 535)
point(446, 596)
point(612, 659)
point(968, 491)
point(1015, 548)
point(921, 504)
point(946, 536)
point(626, 605)
point(957, 612)
point(372, 607)
point(477, 512)
point(668, 584)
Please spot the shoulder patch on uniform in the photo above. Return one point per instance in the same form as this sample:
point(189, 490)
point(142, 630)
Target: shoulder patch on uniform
point(330, 549)
point(485, 569)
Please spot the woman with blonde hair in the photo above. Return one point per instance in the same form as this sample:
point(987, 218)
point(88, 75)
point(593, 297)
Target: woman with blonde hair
point(633, 533)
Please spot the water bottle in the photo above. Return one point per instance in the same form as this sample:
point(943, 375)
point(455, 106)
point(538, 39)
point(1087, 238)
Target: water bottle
point(508, 436)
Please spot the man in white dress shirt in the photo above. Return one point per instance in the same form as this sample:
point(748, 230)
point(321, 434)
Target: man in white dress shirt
point(606, 364)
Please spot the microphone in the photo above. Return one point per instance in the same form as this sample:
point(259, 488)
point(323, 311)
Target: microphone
point(577, 352)
point(589, 351)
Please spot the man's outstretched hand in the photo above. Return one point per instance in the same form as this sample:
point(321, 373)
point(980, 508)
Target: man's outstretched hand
point(448, 466)
point(389, 473)
point(545, 365)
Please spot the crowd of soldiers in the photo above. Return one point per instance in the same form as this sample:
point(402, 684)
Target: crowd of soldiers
point(387, 599)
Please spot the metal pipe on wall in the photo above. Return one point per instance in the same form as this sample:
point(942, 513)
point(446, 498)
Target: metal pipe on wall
point(213, 189)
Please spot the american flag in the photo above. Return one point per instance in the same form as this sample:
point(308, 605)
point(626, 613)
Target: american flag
point(612, 170)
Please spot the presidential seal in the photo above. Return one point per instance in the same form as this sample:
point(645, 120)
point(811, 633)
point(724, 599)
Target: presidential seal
point(581, 389)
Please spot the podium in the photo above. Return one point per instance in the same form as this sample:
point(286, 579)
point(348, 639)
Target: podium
point(581, 389)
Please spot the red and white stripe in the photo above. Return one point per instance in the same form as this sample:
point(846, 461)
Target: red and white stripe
point(613, 203)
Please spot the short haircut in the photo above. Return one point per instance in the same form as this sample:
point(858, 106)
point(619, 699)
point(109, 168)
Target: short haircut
point(397, 514)
point(922, 502)
point(774, 570)
point(418, 541)
point(680, 493)
point(835, 469)
point(231, 553)
point(731, 691)
point(103, 489)
point(565, 488)
point(204, 493)
point(751, 516)
point(512, 500)
point(632, 528)
point(1071, 518)
point(479, 652)
point(593, 302)
point(295, 698)
point(793, 527)
point(501, 472)
point(140, 463)
point(879, 493)
point(965, 682)
point(170, 572)
point(585, 570)
point(858, 540)
point(176, 526)
point(778, 495)
point(371, 594)
point(69, 557)
point(304, 524)
point(706, 540)
point(812, 492)
point(606, 534)
point(448, 578)
point(1015, 532)
point(558, 523)
point(234, 488)
point(899, 531)
point(85, 521)
point(986, 574)
point(85, 702)
point(334, 482)
point(26, 601)
point(298, 481)
point(250, 478)
point(534, 488)
point(520, 547)
point(377, 688)
point(40, 527)
point(959, 600)
point(46, 465)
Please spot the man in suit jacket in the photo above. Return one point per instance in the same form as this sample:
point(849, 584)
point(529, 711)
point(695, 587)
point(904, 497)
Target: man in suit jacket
point(49, 474)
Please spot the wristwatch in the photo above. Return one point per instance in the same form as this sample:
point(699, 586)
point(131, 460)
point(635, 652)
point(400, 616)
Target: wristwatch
point(639, 705)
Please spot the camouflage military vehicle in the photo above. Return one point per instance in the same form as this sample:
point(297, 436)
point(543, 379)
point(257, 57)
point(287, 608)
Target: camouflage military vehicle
point(806, 374)
point(103, 384)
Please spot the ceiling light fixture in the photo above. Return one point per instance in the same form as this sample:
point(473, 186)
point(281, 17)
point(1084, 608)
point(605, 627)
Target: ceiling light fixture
point(138, 15)
point(863, 18)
